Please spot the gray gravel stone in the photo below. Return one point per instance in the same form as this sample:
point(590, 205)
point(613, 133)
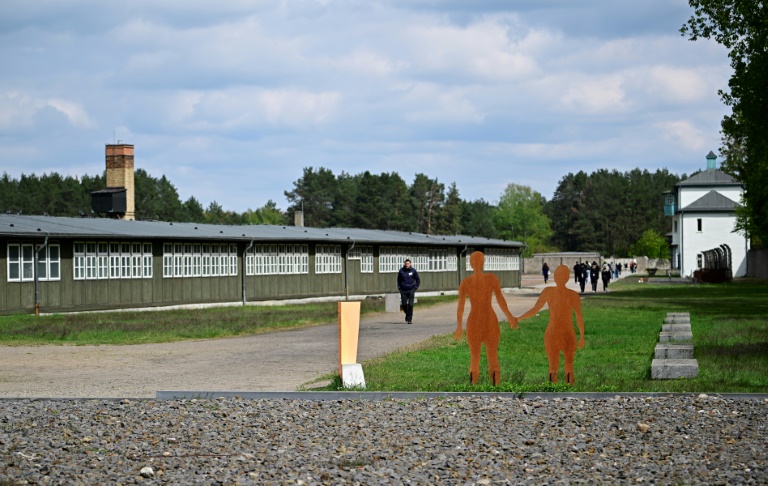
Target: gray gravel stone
point(458, 440)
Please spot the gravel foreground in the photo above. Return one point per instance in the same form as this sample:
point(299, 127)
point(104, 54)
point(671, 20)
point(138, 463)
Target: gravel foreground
point(457, 440)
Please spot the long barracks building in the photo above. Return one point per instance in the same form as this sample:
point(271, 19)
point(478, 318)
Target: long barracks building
point(73, 264)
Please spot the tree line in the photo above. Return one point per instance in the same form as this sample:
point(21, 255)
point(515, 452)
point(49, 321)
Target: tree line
point(605, 211)
point(154, 198)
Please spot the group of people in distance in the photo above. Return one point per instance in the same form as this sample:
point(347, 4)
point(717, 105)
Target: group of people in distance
point(583, 272)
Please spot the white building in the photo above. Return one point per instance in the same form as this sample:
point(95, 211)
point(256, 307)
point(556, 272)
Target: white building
point(703, 210)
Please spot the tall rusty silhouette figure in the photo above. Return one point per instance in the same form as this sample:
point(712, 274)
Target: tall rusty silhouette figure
point(482, 323)
point(560, 335)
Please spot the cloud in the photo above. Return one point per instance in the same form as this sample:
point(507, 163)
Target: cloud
point(482, 93)
point(683, 133)
point(489, 49)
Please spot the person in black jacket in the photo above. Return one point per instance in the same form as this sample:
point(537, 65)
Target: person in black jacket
point(408, 282)
point(594, 275)
point(606, 276)
point(581, 275)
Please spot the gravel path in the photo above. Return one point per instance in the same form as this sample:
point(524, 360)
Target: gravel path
point(466, 440)
point(450, 440)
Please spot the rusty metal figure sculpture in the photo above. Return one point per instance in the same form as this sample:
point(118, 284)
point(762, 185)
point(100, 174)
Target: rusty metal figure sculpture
point(560, 335)
point(482, 323)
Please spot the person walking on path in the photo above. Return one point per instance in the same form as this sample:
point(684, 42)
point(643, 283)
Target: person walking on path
point(606, 275)
point(560, 335)
point(594, 275)
point(408, 282)
point(576, 271)
point(545, 272)
point(581, 275)
point(482, 323)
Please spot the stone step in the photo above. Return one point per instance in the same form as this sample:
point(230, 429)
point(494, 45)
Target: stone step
point(666, 337)
point(677, 318)
point(673, 351)
point(676, 328)
point(670, 369)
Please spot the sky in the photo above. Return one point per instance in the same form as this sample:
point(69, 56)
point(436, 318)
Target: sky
point(232, 99)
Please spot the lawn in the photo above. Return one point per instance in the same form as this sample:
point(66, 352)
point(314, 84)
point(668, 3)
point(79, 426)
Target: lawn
point(729, 324)
point(139, 327)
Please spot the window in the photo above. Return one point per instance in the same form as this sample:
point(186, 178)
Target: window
point(698, 226)
point(366, 259)
point(199, 260)
point(125, 260)
point(27, 263)
point(54, 262)
point(167, 260)
point(136, 261)
point(147, 260)
point(197, 266)
point(21, 262)
point(276, 259)
point(102, 260)
point(498, 259)
point(354, 253)
point(249, 262)
point(327, 259)
point(114, 260)
point(187, 260)
point(206, 256)
point(233, 260)
point(90, 261)
point(78, 260)
point(178, 260)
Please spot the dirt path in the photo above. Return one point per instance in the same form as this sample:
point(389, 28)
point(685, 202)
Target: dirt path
point(280, 361)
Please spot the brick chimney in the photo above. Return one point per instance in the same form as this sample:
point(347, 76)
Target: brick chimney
point(120, 174)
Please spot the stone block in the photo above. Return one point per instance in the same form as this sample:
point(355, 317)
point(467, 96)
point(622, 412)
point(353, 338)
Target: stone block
point(391, 302)
point(352, 376)
point(673, 351)
point(667, 337)
point(676, 328)
point(670, 369)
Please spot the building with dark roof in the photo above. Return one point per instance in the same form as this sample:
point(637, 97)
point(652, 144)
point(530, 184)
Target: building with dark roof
point(703, 210)
point(71, 264)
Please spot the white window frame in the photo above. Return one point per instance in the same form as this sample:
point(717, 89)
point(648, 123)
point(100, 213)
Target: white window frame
point(146, 260)
point(327, 259)
point(125, 260)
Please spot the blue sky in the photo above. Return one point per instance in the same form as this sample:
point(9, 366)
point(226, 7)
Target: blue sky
point(232, 99)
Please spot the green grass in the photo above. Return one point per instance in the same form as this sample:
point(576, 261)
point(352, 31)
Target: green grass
point(729, 324)
point(132, 327)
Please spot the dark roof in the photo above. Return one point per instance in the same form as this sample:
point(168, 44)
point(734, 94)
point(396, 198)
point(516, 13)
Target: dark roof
point(712, 201)
point(110, 190)
point(12, 225)
point(709, 177)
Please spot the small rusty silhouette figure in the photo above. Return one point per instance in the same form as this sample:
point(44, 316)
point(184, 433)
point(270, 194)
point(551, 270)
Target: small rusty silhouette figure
point(482, 323)
point(560, 335)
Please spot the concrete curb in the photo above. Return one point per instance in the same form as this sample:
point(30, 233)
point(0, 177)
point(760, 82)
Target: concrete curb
point(361, 395)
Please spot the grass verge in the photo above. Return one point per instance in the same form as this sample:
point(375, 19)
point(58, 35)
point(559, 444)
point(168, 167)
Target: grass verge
point(729, 324)
point(173, 325)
